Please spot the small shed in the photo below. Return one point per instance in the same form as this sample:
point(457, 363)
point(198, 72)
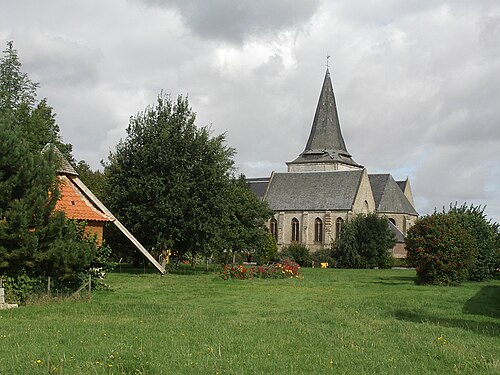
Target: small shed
point(77, 206)
point(78, 202)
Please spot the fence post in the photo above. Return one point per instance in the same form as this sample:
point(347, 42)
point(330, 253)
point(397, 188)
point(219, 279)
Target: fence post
point(90, 283)
point(48, 285)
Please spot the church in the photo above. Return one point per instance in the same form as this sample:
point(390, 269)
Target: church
point(324, 187)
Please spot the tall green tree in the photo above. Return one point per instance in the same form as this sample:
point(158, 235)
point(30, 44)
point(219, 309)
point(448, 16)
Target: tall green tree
point(171, 183)
point(34, 239)
point(35, 119)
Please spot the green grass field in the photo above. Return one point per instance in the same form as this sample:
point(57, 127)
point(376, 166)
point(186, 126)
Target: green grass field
point(330, 322)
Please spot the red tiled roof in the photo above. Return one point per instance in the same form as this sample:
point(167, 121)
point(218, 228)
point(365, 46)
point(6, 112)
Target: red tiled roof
point(74, 203)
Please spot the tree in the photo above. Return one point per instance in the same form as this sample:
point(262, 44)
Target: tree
point(171, 183)
point(36, 121)
point(34, 239)
point(484, 232)
point(364, 242)
point(16, 89)
point(244, 227)
point(441, 249)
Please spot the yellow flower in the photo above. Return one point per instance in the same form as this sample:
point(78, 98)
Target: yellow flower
point(38, 361)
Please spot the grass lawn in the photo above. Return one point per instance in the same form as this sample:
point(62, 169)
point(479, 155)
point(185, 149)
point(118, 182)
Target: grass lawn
point(330, 322)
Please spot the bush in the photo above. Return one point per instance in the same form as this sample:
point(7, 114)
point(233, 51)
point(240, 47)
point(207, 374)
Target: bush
point(298, 253)
point(280, 270)
point(324, 255)
point(364, 243)
point(485, 234)
point(440, 249)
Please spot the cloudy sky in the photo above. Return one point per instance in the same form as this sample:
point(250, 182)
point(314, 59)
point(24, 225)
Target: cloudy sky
point(417, 82)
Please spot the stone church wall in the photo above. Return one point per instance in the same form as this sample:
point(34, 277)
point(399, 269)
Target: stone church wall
point(307, 227)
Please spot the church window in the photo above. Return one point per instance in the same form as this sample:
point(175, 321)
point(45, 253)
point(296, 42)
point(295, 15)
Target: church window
point(365, 207)
point(295, 230)
point(318, 230)
point(338, 227)
point(274, 228)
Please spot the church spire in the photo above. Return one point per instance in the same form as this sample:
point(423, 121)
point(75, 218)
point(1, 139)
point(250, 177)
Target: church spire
point(325, 144)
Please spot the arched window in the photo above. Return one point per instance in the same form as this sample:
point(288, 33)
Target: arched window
point(295, 230)
point(338, 227)
point(318, 230)
point(274, 228)
point(365, 207)
point(392, 220)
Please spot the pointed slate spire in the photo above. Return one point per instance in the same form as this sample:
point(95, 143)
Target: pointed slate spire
point(325, 143)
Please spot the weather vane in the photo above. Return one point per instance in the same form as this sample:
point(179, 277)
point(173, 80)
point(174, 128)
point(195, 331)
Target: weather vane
point(327, 60)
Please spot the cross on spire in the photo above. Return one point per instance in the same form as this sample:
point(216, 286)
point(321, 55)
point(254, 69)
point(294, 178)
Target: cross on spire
point(327, 60)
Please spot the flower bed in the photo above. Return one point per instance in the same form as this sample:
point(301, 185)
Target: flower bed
point(281, 270)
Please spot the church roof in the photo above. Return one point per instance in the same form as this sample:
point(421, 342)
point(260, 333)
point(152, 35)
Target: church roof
point(323, 191)
point(402, 184)
point(388, 195)
point(258, 186)
point(325, 143)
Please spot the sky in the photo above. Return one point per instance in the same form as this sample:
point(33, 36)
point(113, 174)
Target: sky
point(417, 82)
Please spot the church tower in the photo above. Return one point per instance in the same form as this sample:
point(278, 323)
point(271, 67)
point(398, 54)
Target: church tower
point(325, 149)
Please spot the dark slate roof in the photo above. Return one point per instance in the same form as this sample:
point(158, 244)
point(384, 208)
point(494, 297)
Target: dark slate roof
point(388, 196)
point(258, 186)
point(325, 143)
point(313, 191)
point(402, 184)
point(64, 165)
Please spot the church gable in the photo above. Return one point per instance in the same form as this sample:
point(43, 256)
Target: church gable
point(364, 201)
point(389, 198)
point(406, 189)
point(318, 191)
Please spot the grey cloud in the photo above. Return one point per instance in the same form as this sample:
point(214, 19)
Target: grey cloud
point(235, 20)
point(60, 62)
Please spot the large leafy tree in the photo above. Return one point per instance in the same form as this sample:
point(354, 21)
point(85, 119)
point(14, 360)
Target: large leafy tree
point(171, 183)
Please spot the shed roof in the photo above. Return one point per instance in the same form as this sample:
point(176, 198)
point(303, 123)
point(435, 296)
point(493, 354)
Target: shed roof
point(75, 204)
point(311, 191)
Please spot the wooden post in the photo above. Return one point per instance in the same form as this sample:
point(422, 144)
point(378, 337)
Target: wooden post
point(90, 283)
point(48, 285)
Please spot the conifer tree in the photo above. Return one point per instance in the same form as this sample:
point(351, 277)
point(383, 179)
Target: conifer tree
point(35, 120)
